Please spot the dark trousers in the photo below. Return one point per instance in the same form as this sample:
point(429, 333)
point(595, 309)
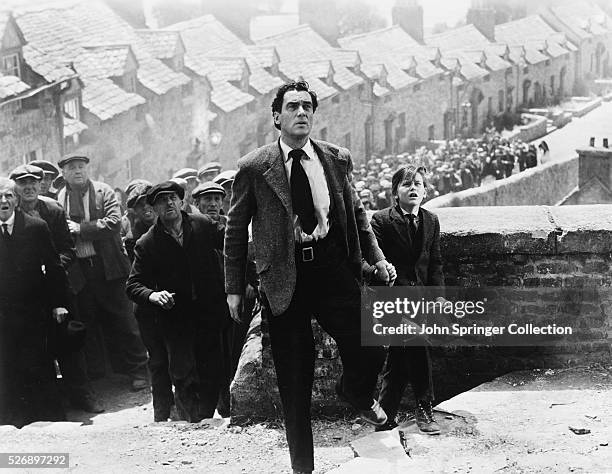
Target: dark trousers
point(28, 386)
point(161, 384)
point(105, 303)
point(410, 364)
point(328, 290)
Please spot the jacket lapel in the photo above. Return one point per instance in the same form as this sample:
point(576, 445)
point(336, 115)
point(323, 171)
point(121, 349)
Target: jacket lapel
point(276, 175)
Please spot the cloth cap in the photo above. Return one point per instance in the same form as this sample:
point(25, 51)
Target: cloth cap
point(208, 187)
point(26, 171)
point(186, 173)
point(137, 193)
point(46, 166)
point(72, 157)
point(164, 188)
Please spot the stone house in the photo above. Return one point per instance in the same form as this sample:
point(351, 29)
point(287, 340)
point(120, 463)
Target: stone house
point(137, 110)
point(588, 27)
point(32, 91)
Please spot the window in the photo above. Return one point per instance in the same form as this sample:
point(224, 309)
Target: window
point(129, 83)
point(347, 140)
point(548, 62)
point(323, 134)
point(336, 99)
point(401, 129)
point(10, 65)
point(71, 108)
point(500, 101)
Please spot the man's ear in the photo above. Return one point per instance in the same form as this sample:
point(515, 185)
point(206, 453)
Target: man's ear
point(276, 117)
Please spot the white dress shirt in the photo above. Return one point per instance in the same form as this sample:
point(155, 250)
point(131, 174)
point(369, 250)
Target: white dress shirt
point(10, 223)
point(318, 186)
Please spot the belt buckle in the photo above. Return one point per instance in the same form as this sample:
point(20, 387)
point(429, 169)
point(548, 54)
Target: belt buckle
point(307, 254)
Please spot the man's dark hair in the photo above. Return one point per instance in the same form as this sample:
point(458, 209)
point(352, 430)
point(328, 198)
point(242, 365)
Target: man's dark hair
point(277, 103)
point(406, 174)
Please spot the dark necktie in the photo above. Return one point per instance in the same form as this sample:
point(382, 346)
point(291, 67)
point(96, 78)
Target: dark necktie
point(301, 194)
point(412, 228)
point(5, 232)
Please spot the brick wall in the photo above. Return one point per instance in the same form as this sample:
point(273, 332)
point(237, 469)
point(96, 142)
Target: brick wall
point(548, 248)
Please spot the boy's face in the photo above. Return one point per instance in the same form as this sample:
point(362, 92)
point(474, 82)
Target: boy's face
point(411, 192)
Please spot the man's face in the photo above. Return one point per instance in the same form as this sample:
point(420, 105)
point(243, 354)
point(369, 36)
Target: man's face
point(75, 173)
point(167, 206)
point(211, 204)
point(8, 202)
point(296, 116)
point(144, 212)
point(411, 193)
point(46, 183)
point(28, 189)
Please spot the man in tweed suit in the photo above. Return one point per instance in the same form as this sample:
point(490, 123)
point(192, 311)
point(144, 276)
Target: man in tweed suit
point(309, 232)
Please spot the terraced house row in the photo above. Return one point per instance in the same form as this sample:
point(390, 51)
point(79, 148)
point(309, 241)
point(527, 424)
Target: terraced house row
point(75, 75)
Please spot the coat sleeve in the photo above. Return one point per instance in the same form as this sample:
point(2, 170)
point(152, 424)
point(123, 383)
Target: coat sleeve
point(63, 240)
point(367, 241)
point(235, 252)
point(140, 282)
point(108, 225)
point(435, 275)
point(55, 276)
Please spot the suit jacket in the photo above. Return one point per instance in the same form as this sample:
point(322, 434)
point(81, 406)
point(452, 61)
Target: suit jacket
point(189, 271)
point(261, 194)
point(23, 284)
point(394, 239)
point(103, 228)
point(54, 215)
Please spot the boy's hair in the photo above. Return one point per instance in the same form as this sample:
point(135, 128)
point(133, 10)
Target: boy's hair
point(406, 173)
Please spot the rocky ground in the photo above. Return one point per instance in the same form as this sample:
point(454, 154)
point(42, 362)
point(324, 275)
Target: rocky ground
point(522, 422)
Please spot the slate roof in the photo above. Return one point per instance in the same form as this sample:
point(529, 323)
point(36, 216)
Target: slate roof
point(297, 70)
point(105, 100)
point(305, 43)
point(265, 55)
point(584, 19)
point(11, 86)
point(162, 44)
point(263, 26)
point(45, 66)
point(60, 30)
point(531, 31)
point(72, 126)
point(103, 61)
point(465, 37)
point(208, 37)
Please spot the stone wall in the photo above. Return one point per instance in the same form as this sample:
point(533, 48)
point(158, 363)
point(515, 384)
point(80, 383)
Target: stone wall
point(547, 184)
point(548, 248)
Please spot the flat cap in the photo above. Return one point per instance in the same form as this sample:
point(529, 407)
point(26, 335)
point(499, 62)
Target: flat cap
point(212, 167)
point(225, 177)
point(208, 187)
point(134, 183)
point(186, 173)
point(137, 193)
point(26, 171)
point(46, 166)
point(72, 157)
point(164, 188)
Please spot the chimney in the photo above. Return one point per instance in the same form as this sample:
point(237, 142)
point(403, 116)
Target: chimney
point(408, 14)
point(483, 18)
point(595, 162)
point(322, 16)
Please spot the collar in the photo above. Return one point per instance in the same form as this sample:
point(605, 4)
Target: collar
point(308, 149)
point(11, 220)
point(405, 212)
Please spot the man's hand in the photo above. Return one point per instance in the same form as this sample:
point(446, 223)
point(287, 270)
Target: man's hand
point(385, 272)
point(162, 298)
point(234, 302)
point(74, 227)
point(59, 314)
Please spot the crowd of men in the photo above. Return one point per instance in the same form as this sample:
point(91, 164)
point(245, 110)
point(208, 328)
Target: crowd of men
point(453, 166)
point(160, 281)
